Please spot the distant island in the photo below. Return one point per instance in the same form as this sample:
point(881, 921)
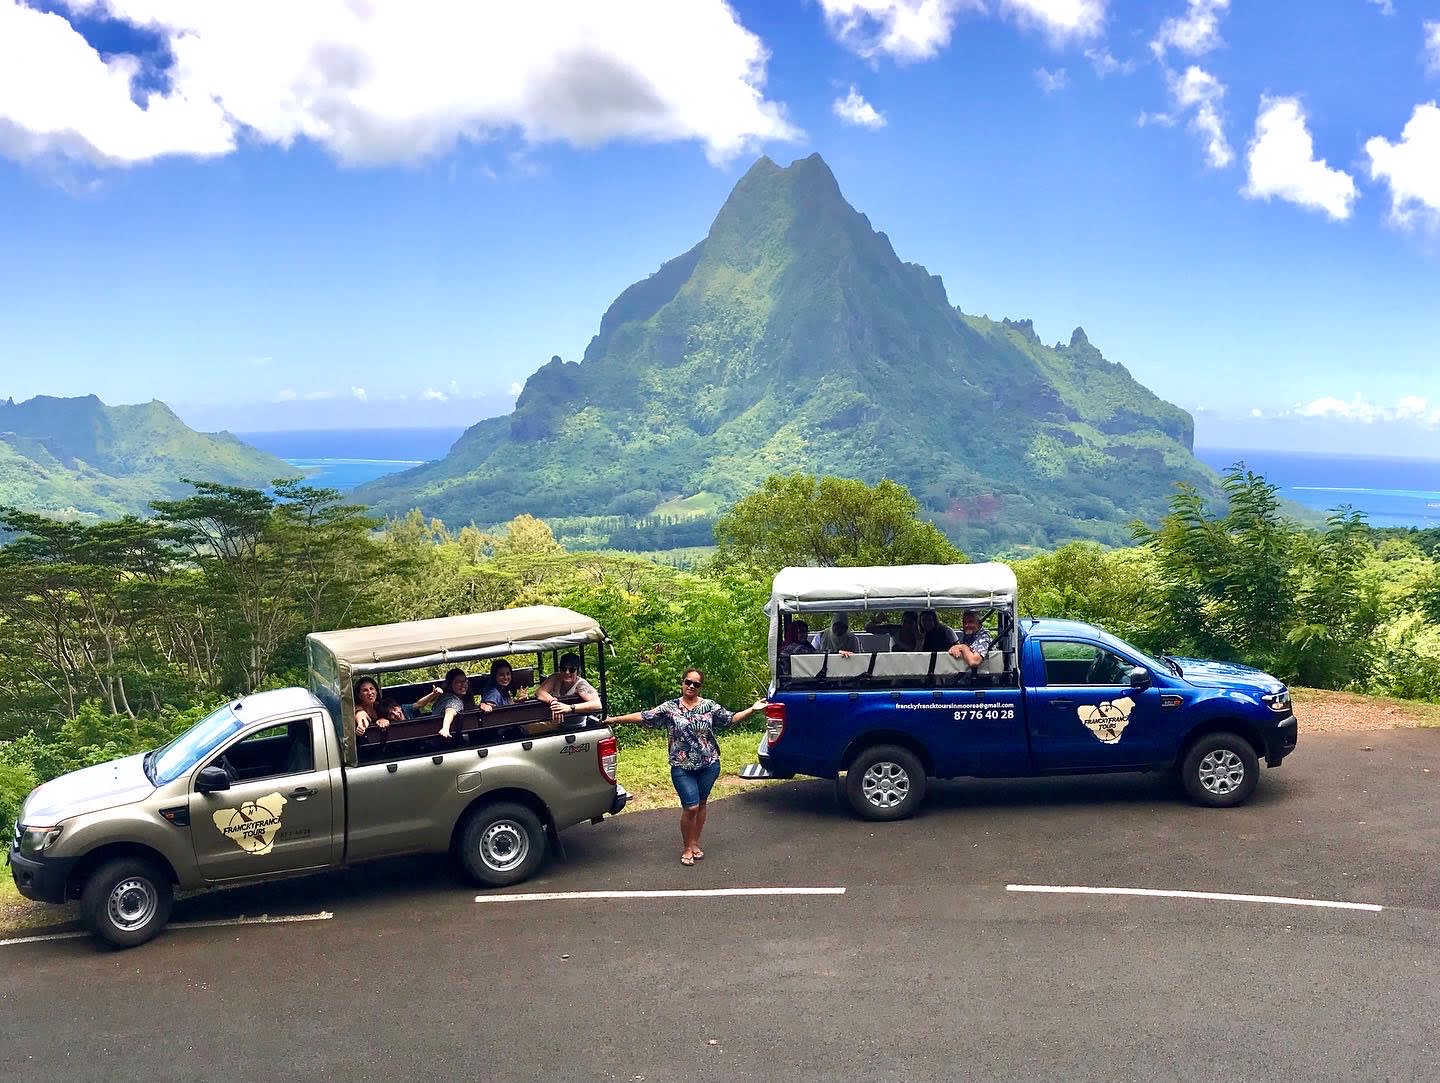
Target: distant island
point(77, 457)
point(792, 338)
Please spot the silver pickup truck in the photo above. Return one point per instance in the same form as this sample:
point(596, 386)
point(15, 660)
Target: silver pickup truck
point(279, 783)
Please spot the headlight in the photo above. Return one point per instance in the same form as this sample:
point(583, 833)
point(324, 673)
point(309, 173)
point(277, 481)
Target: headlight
point(1279, 702)
point(36, 840)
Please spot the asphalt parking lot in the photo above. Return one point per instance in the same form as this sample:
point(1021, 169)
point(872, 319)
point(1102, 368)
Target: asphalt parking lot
point(926, 966)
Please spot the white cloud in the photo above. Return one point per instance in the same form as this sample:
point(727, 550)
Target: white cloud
point(854, 109)
point(430, 394)
point(900, 29)
point(1387, 7)
point(1059, 20)
point(1411, 168)
point(317, 396)
point(359, 393)
point(1195, 33)
point(1105, 63)
point(1051, 81)
point(1199, 91)
point(285, 394)
point(384, 82)
point(1408, 408)
point(515, 388)
point(1281, 162)
point(1432, 46)
point(1257, 412)
point(1163, 120)
point(908, 30)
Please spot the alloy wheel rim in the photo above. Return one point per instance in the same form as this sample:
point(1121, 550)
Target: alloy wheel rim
point(133, 903)
point(885, 784)
point(1221, 772)
point(504, 845)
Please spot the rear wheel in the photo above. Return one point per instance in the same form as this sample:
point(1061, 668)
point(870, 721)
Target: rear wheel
point(885, 782)
point(1221, 770)
point(502, 844)
point(126, 902)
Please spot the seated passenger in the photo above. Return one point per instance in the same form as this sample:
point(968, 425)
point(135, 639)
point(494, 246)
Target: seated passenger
point(452, 699)
point(797, 641)
point(566, 681)
point(838, 638)
point(973, 643)
point(367, 695)
point(501, 690)
point(935, 636)
point(904, 636)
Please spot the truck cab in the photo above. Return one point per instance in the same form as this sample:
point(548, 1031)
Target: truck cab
point(280, 782)
point(1047, 697)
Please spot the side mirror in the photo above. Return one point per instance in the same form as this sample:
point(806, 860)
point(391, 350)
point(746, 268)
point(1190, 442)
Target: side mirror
point(1139, 678)
point(211, 779)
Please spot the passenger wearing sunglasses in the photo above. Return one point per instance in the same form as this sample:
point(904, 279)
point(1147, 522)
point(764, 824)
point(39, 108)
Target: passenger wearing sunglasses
point(694, 753)
point(566, 681)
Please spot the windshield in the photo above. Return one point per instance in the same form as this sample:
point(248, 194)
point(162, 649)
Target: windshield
point(194, 744)
point(1152, 664)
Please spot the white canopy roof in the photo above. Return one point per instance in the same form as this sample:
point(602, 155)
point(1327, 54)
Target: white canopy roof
point(456, 639)
point(909, 586)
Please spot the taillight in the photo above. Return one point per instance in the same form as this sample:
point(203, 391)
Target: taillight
point(608, 754)
point(774, 722)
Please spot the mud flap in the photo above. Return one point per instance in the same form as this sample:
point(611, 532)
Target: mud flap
point(753, 771)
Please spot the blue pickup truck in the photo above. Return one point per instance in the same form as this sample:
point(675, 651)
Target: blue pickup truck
point(889, 708)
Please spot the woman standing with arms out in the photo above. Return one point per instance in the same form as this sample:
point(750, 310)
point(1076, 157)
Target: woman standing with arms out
point(694, 753)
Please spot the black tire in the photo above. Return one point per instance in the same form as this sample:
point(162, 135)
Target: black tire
point(885, 782)
point(126, 901)
point(1220, 770)
point(502, 844)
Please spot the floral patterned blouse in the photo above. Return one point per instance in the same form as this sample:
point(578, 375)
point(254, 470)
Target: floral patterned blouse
point(691, 731)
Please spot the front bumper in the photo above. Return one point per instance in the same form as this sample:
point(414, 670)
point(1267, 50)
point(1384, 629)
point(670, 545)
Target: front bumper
point(1281, 740)
point(42, 879)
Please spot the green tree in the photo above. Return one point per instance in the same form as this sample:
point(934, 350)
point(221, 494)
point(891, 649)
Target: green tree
point(828, 522)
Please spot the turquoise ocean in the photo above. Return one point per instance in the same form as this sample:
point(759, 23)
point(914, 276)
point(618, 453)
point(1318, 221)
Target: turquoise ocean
point(1390, 491)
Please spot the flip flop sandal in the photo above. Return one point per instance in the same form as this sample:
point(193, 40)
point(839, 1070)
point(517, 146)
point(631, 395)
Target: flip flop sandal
point(686, 859)
point(698, 854)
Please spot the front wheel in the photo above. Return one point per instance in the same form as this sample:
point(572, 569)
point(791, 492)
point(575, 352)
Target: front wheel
point(885, 782)
point(1221, 770)
point(502, 844)
point(126, 902)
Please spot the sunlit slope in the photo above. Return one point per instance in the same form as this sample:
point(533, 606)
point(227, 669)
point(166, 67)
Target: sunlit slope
point(80, 457)
point(793, 338)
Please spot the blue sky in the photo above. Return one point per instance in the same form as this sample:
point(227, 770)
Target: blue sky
point(361, 213)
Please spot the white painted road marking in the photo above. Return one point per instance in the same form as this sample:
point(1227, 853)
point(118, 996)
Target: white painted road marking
point(263, 919)
point(1218, 895)
point(546, 896)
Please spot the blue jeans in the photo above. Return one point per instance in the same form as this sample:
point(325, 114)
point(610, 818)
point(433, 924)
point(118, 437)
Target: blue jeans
point(693, 783)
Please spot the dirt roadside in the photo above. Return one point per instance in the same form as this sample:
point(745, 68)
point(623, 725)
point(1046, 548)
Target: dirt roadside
point(1318, 711)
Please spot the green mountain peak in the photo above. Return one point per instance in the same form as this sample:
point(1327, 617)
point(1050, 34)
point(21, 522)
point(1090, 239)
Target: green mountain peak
point(792, 337)
point(79, 457)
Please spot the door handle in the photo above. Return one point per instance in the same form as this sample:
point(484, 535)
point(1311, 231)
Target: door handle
point(1062, 702)
point(302, 792)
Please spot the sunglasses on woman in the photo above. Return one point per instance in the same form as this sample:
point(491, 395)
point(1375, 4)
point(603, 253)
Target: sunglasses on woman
point(689, 683)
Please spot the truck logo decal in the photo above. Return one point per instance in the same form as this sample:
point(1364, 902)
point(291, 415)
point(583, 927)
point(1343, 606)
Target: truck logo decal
point(570, 750)
point(1107, 720)
point(253, 825)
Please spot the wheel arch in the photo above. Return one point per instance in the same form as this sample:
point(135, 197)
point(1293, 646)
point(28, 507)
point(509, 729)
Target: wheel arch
point(112, 851)
point(1223, 724)
point(871, 738)
point(519, 796)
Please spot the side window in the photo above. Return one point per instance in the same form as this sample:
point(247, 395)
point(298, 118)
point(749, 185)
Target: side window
point(1068, 663)
point(284, 749)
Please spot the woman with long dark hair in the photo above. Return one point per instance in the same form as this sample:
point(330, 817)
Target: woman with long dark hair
point(690, 721)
